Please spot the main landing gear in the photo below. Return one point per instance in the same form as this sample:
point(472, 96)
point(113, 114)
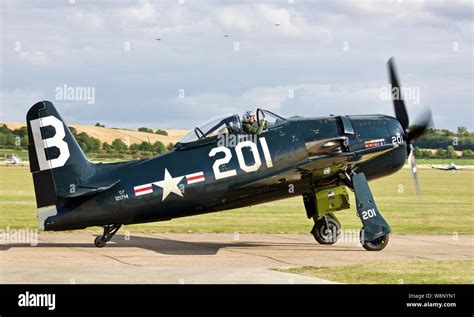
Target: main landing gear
point(321, 204)
point(374, 234)
point(109, 232)
point(326, 230)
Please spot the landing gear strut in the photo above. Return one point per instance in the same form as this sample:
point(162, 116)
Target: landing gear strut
point(375, 231)
point(109, 232)
point(326, 230)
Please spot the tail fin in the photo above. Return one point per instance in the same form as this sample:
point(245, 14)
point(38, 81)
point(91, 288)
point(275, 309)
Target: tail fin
point(56, 160)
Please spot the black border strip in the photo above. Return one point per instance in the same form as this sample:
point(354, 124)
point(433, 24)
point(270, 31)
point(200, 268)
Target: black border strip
point(371, 299)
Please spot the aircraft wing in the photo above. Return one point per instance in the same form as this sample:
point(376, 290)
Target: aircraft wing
point(320, 162)
point(440, 168)
point(455, 168)
point(353, 157)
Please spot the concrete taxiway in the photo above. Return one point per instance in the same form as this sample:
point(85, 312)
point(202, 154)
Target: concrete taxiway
point(203, 258)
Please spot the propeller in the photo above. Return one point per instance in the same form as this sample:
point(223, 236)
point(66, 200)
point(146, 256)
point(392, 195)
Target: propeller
point(412, 132)
point(414, 172)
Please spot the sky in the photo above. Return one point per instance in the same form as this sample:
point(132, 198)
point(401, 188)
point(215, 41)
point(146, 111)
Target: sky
point(175, 64)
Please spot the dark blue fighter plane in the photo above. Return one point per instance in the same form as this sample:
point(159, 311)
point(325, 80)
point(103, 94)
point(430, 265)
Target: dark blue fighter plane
point(216, 167)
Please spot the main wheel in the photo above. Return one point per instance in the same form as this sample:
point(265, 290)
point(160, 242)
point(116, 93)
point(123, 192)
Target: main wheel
point(326, 233)
point(99, 242)
point(375, 245)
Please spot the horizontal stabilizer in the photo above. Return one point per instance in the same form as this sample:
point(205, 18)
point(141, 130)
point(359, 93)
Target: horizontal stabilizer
point(90, 189)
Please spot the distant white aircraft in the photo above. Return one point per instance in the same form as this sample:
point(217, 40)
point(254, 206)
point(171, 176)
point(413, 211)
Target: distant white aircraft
point(449, 167)
point(14, 160)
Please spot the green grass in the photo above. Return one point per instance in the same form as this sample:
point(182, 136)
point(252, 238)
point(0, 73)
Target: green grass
point(399, 272)
point(459, 161)
point(23, 154)
point(447, 207)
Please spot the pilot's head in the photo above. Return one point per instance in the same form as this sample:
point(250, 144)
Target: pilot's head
point(249, 116)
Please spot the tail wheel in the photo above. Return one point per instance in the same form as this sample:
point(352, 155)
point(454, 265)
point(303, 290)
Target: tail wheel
point(375, 245)
point(109, 232)
point(326, 230)
point(99, 242)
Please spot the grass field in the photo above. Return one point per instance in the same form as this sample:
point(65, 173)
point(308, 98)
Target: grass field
point(400, 272)
point(459, 161)
point(447, 206)
point(23, 154)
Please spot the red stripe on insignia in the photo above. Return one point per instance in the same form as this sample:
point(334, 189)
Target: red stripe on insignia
point(194, 177)
point(142, 189)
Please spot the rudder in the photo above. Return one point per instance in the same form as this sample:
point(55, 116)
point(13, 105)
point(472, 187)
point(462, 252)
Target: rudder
point(56, 160)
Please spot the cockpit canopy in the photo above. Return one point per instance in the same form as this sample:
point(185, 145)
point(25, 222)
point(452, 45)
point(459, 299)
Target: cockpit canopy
point(227, 124)
point(215, 126)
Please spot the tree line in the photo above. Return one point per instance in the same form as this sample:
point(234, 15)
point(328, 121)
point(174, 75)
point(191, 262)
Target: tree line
point(444, 142)
point(142, 129)
point(18, 139)
point(460, 140)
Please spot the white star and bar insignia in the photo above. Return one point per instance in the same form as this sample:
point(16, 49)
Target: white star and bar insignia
point(170, 185)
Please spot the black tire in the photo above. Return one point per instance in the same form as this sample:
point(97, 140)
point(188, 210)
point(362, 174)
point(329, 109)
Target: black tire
point(99, 242)
point(324, 235)
point(375, 245)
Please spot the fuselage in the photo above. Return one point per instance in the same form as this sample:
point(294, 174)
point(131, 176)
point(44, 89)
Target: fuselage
point(216, 174)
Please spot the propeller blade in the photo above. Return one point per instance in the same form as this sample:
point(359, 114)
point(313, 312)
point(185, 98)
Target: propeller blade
point(414, 171)
point(421, 125)
point(398, 103)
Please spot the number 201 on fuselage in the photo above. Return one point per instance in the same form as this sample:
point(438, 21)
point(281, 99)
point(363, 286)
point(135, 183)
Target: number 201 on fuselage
point(240, 157)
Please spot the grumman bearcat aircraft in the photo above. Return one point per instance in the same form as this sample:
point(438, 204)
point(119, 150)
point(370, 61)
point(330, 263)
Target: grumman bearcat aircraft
point(215, 167)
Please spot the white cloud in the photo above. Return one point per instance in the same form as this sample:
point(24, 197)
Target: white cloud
point(143, 13)
point(16, 102)
point(35, 57)
point(290, 23)
point(237, 17)
point(86, 19)
point(268, 20)
point(309, 100)
point(84, 45)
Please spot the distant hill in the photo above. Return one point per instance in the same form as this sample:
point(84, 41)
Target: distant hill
point(110, 134)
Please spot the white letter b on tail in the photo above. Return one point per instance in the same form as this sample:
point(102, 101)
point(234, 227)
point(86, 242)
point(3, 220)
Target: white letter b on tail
point(56, 141)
